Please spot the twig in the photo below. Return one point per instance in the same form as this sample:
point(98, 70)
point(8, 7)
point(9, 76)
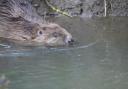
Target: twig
point(56, 9)
point(105, 8)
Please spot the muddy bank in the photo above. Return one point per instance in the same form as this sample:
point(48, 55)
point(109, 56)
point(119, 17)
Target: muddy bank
point(86, 8)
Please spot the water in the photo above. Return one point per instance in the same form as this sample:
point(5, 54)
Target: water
point(99, 60)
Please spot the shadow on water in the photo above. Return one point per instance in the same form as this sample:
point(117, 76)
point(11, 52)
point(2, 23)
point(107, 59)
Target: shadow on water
point(98, 61)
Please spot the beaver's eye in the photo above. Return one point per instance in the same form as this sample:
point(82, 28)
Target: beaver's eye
point(40, 32)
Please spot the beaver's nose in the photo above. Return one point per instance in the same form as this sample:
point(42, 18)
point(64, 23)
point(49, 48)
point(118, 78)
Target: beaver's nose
point(68, 39)
point(71, 42)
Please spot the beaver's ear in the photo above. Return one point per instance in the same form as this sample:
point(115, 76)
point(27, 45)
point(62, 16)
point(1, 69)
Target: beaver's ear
point(44, 28)
point(35, 27)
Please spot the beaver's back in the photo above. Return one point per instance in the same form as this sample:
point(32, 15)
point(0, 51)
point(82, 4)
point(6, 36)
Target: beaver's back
point(19, 8)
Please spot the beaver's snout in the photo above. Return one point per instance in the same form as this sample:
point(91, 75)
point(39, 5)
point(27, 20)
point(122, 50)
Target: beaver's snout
point(69, 39)
point(71, 42)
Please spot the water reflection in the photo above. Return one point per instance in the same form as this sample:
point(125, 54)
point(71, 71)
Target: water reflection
point(99, 61)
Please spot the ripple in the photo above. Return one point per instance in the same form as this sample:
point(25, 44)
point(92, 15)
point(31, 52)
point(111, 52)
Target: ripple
point(5, 46)
point(76, 47)
point(9, 52)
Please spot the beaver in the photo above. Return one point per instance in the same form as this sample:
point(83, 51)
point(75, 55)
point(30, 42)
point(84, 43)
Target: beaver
point(19, 21)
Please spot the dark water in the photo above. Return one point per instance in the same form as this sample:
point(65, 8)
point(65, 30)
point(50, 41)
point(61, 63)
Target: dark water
point(98, 61)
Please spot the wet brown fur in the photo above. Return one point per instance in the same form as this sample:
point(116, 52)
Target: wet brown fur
point(19, 21)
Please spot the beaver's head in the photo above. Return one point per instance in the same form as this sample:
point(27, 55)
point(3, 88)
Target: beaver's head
point(48, 34)
point(51, 34)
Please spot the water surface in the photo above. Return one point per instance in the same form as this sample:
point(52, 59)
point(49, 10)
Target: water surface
point(99, 60)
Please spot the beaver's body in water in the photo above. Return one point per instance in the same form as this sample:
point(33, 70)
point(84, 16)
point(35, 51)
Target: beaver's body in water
point(19, 21)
